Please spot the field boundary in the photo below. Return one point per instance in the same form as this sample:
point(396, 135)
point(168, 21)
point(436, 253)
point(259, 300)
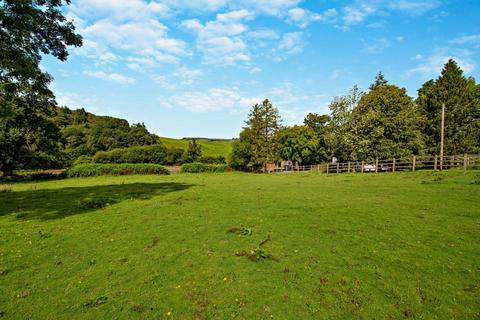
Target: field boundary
point(412, 164)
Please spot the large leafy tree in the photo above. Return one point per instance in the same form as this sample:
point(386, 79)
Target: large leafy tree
point(264, 122)
point(342, 134)
point(28, 30)
point(461, 97)
point(319, 124)
point(298, 144)
point(241, 156)
point(386, 124)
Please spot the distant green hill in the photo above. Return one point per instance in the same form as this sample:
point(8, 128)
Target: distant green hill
point(210, 147)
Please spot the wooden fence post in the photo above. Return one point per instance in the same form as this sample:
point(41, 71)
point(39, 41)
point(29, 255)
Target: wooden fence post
point(376, 165)
point(362, 165)
point(393, 167)
point(327, 167)
point(414, 160)
point(465, 163)
point(435, 163)
point(348, 166)
point(338, 167)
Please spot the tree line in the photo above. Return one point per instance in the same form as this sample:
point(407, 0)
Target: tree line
point(381, 123)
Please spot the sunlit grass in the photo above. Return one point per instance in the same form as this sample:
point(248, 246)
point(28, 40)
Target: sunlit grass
point(243, 246)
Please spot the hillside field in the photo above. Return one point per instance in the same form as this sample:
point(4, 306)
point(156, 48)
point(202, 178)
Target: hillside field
point(209, 147)
point(242, 246)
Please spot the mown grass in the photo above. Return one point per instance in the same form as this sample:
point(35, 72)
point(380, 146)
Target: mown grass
point(211, 148)
point(242, 246)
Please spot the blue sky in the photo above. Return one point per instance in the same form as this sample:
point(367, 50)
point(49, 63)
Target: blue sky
point(195, 67)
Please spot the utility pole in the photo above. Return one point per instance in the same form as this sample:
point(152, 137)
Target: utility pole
point(442, 137)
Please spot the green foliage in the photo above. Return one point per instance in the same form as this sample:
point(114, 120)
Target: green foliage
point(212, 160)
point(241, 156)
point(341, 136)
point(386, 124)
point(147, 154)
point(461, 97)
point(85, 134)
point(193, 152)
point(28, 31)
point(298, 144)
point(197, 167)
point(379, 81)
point(28, 139)
point(83, 160)
point(88, 170)
point(264, 122)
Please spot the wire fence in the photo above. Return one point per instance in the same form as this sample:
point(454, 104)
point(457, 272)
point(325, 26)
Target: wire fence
point(414, 163)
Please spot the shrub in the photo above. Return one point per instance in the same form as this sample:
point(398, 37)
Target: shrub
point(88, 170)
point(83, 160)
point(212, 160)
point(197, 167)
point(145, 154)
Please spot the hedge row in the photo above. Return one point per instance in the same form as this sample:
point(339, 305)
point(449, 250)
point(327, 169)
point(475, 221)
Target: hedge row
point(157, 154)
point(88, 170)
point(145, 154)
point(198, 167)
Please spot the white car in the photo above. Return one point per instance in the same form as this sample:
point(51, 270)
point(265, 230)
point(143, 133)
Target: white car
point(369, 168)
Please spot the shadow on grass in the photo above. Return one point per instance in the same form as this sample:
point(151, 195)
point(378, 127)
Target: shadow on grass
point(50, 204)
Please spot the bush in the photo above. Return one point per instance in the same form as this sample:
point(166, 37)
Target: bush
point(145, 154)
point(213, 160)
point(197, 167)
point(89, 170)
point(83, 160)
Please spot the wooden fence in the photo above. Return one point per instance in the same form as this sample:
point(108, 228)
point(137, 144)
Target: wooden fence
point(415, 163)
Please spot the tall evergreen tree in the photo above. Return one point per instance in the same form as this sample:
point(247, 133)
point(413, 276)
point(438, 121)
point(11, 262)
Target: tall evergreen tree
point(379, 81)
point(193, 152)
point(264, 122)
point(461, 97)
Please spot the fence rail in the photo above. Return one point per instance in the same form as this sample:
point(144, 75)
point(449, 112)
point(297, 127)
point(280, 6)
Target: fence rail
point(414, 163)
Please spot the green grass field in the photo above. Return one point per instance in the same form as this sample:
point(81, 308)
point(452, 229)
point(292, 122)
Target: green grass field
point(209, 147)
point(243, 246)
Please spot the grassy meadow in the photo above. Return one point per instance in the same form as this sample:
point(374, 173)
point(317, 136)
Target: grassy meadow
point(242, 246)
point(210, 148)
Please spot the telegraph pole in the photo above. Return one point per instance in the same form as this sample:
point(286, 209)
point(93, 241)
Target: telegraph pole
point(442, 134)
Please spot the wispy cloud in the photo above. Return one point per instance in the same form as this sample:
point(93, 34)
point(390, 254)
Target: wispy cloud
point(115, 77)
point(432, 65)
point(470, 39)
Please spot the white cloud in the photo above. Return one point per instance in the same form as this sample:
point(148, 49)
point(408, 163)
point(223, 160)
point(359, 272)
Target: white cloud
point(118, 9)
point(115, 77)
point(377, 45)
point(73, 100)
point(220, 41)
point(291, 43)
point(303, 17)
point(182, 75)
point(212, 100)
point(277, 8)
point(360, 10)
point(433, 64)
point(415, 7)
point(471, 39)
